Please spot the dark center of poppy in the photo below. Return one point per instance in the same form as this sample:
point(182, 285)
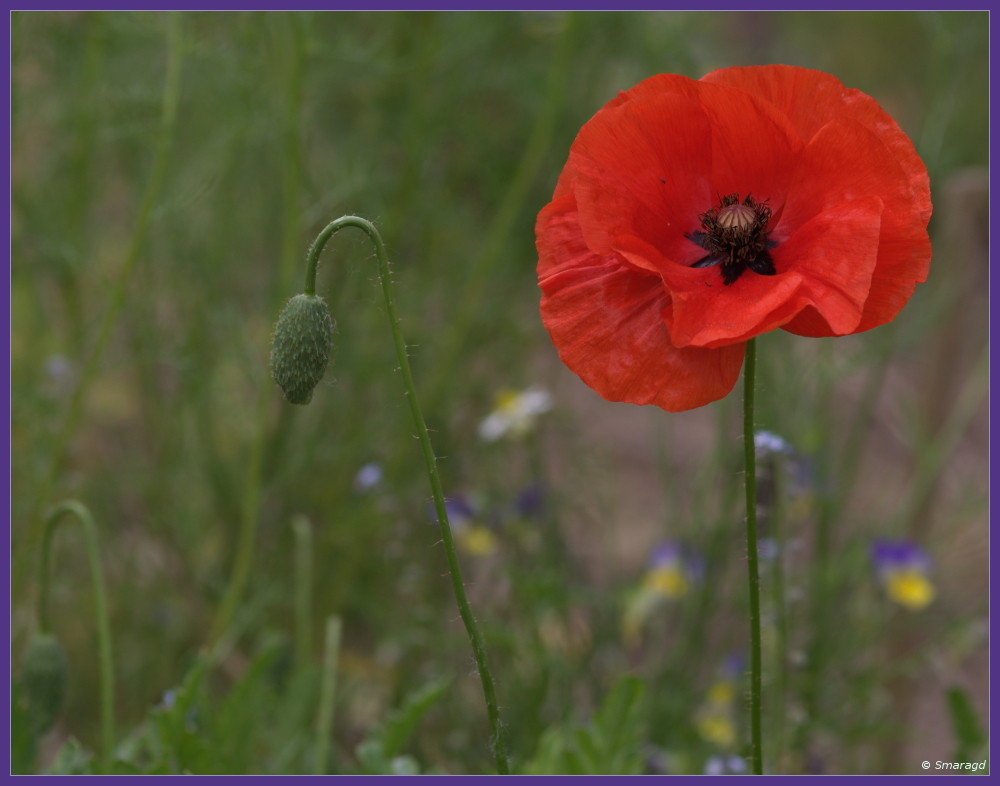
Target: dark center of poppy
point(735, 236)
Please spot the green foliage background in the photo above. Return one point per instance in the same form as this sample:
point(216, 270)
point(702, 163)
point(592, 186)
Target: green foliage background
point(169, 172)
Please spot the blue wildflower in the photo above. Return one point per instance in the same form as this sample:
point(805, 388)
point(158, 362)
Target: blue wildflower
point(368, 477)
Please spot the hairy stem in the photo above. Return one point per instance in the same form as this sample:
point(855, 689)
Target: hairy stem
point(753, 574)
point(475, 637)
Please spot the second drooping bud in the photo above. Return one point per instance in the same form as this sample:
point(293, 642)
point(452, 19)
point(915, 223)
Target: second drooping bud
point(44, 677)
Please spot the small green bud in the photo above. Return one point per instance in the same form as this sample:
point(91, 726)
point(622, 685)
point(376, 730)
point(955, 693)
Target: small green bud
point(300, 351)
point(44, 675)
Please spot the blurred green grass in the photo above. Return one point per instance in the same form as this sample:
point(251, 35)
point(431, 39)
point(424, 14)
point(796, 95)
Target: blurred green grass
point(448, 130)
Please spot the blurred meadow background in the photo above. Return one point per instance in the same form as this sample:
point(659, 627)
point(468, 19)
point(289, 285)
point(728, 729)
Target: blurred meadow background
point(169, 171)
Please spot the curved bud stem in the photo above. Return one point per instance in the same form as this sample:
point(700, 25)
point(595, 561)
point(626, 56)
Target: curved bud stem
point(81, 512)
point(475, 637)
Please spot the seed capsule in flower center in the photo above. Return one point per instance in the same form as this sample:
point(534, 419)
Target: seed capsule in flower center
point(735, 237)
point(736, 217)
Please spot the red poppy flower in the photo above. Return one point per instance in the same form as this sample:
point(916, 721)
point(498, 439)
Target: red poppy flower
point(694, 215)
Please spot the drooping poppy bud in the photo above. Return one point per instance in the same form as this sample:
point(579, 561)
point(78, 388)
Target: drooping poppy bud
point(303, 338)
point(44, 675)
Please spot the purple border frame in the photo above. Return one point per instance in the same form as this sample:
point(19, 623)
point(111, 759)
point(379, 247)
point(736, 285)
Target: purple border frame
point(551, 5)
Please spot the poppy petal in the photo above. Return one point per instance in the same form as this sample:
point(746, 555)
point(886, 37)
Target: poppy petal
point(810, 99)
point(843, 164)
point(558, 237)
point(715, 315)
point(838, 249)
point(604, 319)
point(901, 267)
point(627, 182)
point(752, 140)
point(835, 252)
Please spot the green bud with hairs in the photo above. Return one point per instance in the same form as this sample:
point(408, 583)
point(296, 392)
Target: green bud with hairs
point(303, 338)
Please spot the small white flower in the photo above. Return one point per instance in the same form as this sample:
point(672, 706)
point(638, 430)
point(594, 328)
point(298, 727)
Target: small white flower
point(515, 413)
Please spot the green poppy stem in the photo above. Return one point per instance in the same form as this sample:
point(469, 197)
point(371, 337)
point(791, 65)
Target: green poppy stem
point(104, 652)
point(302, 531)
point(750, 460)
point(465, 611)
point(328, 686)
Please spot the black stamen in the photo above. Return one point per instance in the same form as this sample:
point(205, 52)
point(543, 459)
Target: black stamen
point(735, 237)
